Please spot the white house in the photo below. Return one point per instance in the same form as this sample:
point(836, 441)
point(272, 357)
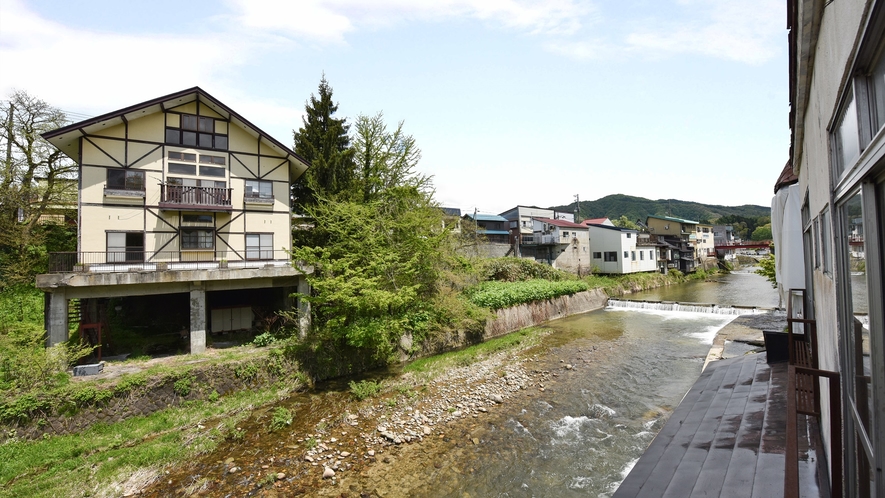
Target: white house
point(616, 250)
point(562, 244)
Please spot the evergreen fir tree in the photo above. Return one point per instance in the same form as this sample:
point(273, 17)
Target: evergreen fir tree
point(323, 140)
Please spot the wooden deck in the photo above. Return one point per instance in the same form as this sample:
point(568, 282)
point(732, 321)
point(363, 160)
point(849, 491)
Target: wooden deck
point(728, 438)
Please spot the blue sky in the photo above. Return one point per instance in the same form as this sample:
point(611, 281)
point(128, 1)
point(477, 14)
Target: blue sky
point(511, 101)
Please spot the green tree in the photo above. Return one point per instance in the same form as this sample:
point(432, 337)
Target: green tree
point(762, 233)
point(625, 222)
point(324, 141)
point(767, 269)
point(35, 178)
point(384, 159)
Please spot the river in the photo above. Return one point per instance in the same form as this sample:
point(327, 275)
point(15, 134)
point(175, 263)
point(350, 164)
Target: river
point(577, 433)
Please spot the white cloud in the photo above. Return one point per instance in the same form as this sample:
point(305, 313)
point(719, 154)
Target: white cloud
point(91, 72)
point(745, 31)
point(331, 20)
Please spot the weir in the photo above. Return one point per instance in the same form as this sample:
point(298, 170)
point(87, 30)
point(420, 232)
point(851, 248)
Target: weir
point(713, 309)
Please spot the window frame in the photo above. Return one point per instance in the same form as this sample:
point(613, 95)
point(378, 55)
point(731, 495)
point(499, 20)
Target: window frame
point(126, 174)
point(264, 249)
point(186, 241)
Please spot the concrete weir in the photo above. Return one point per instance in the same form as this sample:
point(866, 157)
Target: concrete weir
point(535, 313)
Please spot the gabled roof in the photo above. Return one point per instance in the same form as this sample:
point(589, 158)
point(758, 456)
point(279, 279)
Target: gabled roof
point(486, 217)
point(595, 221)
point(610, 227)
point(65, 138)
point(670, 218)
point(560, 223)
point(451, 211)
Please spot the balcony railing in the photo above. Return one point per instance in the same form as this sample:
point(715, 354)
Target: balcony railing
point(183, 197)
point(140, 261)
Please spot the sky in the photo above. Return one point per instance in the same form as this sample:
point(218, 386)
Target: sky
point(512, 102)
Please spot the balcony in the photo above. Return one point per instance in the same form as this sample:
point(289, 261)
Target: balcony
point(144, 261)
point(189, 198)
point(545, 240)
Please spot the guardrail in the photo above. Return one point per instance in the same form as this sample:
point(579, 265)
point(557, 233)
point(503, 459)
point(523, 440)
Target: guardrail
point(134, 260)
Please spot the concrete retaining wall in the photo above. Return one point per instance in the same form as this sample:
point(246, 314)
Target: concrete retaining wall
point(535, 313)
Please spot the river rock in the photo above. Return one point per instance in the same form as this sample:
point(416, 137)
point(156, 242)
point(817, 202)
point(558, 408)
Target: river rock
point(281, 476)
point(496, 398)
point(328, 473)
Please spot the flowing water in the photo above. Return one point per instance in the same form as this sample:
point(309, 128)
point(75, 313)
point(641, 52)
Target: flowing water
point(580, 432)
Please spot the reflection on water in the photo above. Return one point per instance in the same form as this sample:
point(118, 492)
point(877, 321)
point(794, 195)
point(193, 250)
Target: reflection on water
point(583, 433)
point(742, 288)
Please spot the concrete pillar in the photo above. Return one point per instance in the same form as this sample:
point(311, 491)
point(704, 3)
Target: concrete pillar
point(303, 307)
point(198, 321)
point(55, 317)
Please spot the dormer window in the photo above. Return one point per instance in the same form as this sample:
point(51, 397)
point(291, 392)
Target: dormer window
point(195, 131)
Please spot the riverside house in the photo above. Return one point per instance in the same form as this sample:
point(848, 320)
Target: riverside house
point(183, 206)
point(834, 217)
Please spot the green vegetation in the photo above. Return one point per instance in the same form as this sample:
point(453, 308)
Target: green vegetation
point(430, 366)
point(110, 453)
point(767, 269)
point(633, 208)
point(497, 295)
point(282, 418)
point(364, 389)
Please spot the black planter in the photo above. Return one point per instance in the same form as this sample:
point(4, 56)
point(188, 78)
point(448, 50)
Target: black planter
point(777, 346)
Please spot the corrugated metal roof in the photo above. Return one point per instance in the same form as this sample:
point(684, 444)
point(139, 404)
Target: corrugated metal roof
point(560, 223)
point(486, 217)
point(670, 218)
point(494, 232)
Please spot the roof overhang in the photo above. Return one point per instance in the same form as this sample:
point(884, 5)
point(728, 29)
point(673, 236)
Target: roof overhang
point(67, 138)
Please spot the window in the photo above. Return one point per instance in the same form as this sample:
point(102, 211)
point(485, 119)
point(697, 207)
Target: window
point(183, 156)
point(212, 171)
point(816, 235)
point(196, 131)
point(565, 235)
point(628, 235)
point(121, 179)
point(611, 256)
point(183, 169)
point(626, 255)
point(847, 137)
point(641, 256)
point(259, 246)
point(212, 159)
point(197, 218)
point(597, 255)
point(197, 238)
point(826, 258)
point(633, 255)
point(125, 247)
point(258, 189)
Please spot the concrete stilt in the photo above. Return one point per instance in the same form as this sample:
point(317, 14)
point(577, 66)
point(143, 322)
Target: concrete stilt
point(304, 322)
point(56, 317)
point(198, 321)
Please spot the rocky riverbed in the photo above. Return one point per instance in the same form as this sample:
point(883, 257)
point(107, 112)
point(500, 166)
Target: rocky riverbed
point(367, 448)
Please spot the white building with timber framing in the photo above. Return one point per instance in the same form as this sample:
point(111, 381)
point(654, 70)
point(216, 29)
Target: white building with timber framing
point(178, 196)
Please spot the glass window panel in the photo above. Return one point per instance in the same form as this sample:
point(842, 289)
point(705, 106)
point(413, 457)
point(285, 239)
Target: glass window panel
point(116, 179)
point(221, 142)
point(847, 137)
point(878, 91)
point(183, 156)
point(211, 171)
point(205, 140)
point(826, 254)
point(135, 180)
point(197, 239)
point(188, 122)
point(173, 136)
point(116, 247)
point(860, 333)
point(189, 138)
point(197, 218)
point(207, 125)
point(183, 169)
point(212, 159)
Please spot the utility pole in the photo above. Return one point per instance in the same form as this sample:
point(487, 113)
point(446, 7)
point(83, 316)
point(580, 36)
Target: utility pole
point(577, 209)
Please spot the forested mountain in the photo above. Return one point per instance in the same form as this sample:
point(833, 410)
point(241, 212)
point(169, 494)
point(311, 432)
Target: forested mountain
point(617, 205)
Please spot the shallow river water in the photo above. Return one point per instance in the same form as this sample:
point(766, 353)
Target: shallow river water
point(581, 432)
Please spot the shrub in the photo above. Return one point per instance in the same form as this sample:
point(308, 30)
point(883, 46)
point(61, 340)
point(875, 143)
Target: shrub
point(282, 417)
point(497, 295)
point(512, 269)
point(364, 389)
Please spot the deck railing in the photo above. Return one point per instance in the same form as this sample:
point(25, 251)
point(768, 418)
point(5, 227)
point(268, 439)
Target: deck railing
point(134, 260)
point(184, 196)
